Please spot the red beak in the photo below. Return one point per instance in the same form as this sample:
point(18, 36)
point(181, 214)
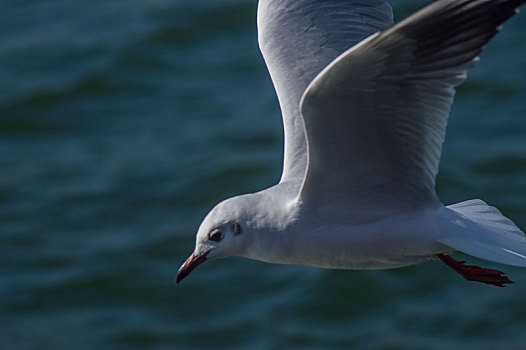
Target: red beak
point(189, 265)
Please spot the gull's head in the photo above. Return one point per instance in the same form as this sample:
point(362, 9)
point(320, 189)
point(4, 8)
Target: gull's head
point(224, 232)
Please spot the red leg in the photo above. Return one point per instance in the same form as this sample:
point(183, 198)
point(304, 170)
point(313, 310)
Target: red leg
point(476, 273)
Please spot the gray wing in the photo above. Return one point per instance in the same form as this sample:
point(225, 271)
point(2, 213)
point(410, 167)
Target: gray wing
point(376, 117)
point(298, 38)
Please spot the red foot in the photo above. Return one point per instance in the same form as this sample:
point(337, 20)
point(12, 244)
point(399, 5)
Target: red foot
point(476, 273)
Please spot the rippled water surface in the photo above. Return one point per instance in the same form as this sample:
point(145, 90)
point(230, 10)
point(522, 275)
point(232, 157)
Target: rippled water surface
point(123, 122)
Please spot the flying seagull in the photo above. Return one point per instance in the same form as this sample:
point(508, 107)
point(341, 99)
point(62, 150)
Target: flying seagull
point(365, 105)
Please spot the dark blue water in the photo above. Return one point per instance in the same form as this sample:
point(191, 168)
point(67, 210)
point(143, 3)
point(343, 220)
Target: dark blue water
point(123, 122)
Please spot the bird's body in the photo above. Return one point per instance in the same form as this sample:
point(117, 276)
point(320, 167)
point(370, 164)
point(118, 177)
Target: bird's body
point(356, 234)
point(365, 107)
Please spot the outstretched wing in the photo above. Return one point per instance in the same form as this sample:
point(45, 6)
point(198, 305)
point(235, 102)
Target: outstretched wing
point(376, 116)
point(298, 38)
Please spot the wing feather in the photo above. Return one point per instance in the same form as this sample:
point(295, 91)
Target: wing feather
point(298, 38)
point(376, 116)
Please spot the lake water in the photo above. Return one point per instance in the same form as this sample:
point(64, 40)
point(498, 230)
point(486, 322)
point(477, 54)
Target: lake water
point(123, 122)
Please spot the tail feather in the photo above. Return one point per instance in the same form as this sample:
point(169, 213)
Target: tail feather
point(477, 229)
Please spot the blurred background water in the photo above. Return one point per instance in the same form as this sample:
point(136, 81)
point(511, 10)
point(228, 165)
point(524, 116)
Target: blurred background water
point(123, 122)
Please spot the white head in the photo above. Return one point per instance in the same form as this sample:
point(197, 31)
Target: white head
point(225, 231)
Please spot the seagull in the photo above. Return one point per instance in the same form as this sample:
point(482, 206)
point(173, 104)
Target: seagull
point(365, 105)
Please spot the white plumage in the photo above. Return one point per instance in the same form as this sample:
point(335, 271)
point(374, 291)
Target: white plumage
point(365, 110)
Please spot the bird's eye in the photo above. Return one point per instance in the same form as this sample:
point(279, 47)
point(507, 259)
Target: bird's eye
point(215, 235)
point(236, 228)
